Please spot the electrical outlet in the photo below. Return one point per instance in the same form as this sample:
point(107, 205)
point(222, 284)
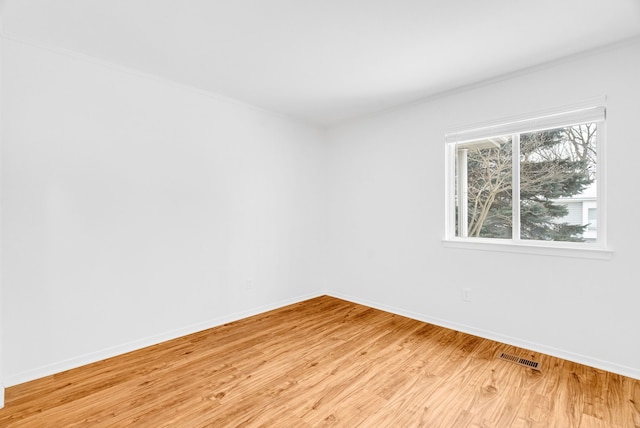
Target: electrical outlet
point(466, 294)
point(248, 285)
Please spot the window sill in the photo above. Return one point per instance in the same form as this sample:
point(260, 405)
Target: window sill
point(539, 248)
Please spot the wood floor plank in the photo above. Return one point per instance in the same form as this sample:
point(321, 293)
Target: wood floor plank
point(326, 362)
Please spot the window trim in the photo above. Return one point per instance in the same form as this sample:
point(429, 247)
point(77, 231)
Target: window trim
point(592, 110)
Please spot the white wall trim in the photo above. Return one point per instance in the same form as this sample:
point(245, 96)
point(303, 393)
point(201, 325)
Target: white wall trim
point(173, 334)
point(509, 246)
point(487, 334)
point(114, 351)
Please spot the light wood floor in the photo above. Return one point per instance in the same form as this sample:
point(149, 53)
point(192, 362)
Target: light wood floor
point(326, 362)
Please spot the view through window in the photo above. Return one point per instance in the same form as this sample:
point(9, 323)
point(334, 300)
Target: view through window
point(526, 186)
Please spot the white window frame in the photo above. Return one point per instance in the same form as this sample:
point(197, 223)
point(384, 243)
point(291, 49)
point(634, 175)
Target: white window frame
point(593, 110)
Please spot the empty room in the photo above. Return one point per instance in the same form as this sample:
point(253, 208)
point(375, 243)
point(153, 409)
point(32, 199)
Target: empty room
point(281, 213)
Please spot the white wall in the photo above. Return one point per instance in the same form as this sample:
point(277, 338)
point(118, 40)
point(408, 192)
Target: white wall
point(386, 221)
point(1, 204)
point(135, 210)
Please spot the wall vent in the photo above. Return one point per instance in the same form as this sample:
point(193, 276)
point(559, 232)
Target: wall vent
point(520, 361)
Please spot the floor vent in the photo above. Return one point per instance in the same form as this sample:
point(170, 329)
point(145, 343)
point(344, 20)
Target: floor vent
point(520, 361)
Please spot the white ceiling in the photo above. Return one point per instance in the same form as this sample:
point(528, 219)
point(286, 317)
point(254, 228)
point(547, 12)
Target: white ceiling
point(324, 61)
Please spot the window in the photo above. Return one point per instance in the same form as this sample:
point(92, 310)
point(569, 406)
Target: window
point(530, 182)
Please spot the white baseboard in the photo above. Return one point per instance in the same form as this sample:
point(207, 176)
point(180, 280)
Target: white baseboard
point(173, 334)
point(1, 396)
point(486, 334)
point(103, 354)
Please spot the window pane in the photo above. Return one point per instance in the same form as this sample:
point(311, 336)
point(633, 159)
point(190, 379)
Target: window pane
point(592, 218)
point(557, 179)
point(484, 188)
